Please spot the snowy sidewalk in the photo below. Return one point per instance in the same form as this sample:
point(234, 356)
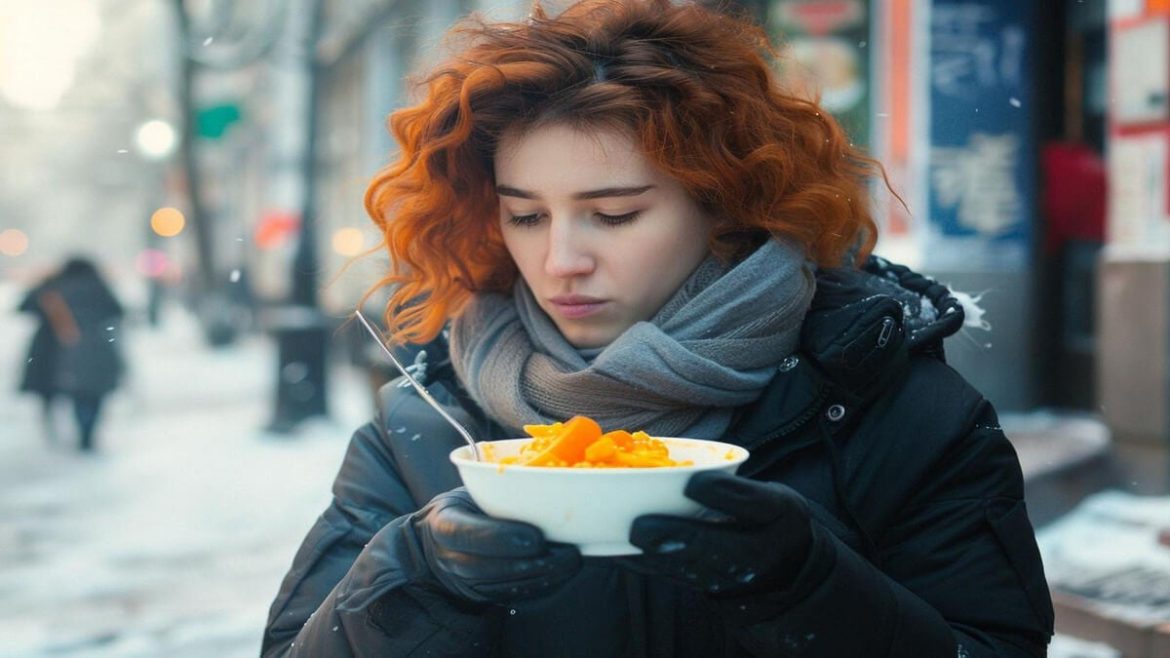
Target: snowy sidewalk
point(172, 540)
point(1109, 565)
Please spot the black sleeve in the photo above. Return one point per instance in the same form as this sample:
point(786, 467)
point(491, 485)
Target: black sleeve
point(960, 574)
point(346, 592)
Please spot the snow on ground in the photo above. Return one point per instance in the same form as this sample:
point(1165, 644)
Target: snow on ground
point(1108, 531)
point(172, 540)
point(1107, 549)
point(1069, 647)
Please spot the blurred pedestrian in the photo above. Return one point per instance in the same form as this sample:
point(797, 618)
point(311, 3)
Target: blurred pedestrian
point(74, 353)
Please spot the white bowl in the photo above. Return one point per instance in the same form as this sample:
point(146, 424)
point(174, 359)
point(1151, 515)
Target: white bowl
point(590, 507)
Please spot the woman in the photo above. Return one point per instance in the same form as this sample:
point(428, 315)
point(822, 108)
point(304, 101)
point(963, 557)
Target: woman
point(74, 352)
point(617, 213)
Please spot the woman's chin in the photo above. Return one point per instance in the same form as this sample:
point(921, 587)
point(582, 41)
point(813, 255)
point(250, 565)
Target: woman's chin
point(588, 337)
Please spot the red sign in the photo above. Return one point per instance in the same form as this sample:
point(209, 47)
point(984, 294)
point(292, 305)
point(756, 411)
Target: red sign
point(276, 227)
point(819, 17)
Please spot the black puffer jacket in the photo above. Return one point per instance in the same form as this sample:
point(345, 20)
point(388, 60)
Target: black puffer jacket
point(916, 493)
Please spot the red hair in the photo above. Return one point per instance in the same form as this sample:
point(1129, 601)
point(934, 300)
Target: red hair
point(694, 86)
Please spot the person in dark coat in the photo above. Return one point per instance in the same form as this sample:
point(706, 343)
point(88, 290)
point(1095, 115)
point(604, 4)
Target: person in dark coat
point(40, 365)
point(74, 352)
point(616, 212)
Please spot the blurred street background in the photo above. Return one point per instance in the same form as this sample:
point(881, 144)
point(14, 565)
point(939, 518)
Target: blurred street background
point(210, 158)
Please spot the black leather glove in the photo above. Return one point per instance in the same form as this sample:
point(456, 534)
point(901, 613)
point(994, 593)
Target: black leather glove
point(481, 559)
point(758, 538)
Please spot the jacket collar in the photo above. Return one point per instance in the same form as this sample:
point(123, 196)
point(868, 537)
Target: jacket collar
point(859, 333)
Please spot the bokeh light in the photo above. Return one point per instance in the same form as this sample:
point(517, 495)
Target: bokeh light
point(13, 242)
point(348, 241)
point(167, 222)
point(155, 139)
point(275, 228)
point(40, 43)
point(151, 263)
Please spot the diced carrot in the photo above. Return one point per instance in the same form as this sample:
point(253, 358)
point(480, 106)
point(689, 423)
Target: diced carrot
point(570, 443)
point(601, 450)
point(620, 438)
point(579, 443)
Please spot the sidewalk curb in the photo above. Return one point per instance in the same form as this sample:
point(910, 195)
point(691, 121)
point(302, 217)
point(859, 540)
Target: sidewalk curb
point(1064, 458)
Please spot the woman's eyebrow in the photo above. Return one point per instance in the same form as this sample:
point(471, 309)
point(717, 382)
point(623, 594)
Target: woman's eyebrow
point(605, 192)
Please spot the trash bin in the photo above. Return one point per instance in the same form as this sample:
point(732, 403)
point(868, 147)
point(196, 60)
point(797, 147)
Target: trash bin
point(302, 335)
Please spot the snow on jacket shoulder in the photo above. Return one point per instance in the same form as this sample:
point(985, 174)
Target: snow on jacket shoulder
point(922, 542)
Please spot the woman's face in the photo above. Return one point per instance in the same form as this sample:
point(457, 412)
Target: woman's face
point(600, 235)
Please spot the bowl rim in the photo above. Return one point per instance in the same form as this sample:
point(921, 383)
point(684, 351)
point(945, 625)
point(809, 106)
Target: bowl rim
point(741, 456)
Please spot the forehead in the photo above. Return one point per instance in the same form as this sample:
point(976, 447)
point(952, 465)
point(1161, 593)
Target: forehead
point(560, 157)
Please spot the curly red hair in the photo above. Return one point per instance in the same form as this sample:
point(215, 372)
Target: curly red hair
point(694, 86)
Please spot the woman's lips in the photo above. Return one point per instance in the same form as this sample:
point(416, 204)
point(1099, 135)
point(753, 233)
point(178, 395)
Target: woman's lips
point(575, 307)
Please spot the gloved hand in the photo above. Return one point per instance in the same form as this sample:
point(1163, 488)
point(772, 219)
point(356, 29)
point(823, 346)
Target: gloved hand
point(478, 558)
point(758, 539)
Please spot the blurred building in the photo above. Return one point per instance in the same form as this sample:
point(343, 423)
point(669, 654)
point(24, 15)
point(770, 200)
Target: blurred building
point(362, 89)
point(79, 79)
point(1134, 280)
point(989, 116)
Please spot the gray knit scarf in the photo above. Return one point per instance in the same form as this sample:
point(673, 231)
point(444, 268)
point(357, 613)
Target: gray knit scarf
point(711, 348)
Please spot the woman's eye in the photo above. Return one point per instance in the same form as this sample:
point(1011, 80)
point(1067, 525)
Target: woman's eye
point(614, 220)
point(524, 220)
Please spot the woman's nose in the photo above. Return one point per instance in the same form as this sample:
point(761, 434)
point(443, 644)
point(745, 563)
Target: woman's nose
point(568, 251)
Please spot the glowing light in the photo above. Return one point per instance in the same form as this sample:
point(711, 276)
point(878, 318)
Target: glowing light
point(40, 43)
point(151, 263)
point(13, 242)
point(348, 241)
point(156, 139)
point(167, 222)
point(275, 228)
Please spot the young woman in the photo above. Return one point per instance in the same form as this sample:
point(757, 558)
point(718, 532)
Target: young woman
point(616, 212)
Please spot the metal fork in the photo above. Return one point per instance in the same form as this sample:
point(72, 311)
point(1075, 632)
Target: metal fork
point(419, 387)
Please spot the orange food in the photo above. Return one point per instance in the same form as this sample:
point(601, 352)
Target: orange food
point(568, 444)
point(579, 443)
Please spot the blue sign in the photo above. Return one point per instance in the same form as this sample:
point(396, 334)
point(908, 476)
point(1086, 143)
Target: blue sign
point(982, 149)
